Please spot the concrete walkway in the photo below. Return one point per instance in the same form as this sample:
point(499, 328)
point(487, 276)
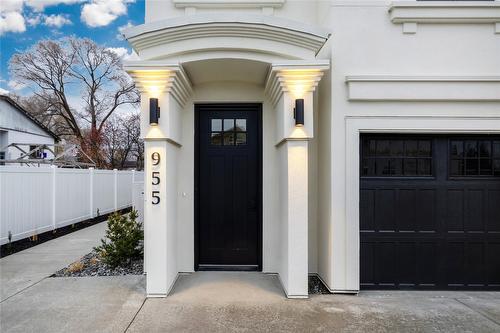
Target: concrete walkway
point(217, 302)
point(26, 268)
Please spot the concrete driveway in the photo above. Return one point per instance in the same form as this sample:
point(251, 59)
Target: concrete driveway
point(31, 301)
point(237, 302)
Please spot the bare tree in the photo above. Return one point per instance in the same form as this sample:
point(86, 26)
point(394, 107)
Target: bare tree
point(122, 141)
point(57, 68)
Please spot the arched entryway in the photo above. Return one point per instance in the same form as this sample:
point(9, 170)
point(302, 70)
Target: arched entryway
point(196, 63)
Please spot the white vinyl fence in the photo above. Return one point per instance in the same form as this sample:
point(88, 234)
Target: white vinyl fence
point(36, 200)
point(138, 196)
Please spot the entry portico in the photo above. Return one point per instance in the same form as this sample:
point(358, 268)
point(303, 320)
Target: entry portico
point(220, 65)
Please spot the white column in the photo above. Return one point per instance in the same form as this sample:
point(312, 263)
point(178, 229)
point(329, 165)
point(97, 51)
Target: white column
point(297, 217)
point(155, 218)
point(171, 86)
point(285, 84)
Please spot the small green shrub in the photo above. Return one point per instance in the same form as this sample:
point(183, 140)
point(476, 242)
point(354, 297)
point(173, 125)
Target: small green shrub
point(123, 241)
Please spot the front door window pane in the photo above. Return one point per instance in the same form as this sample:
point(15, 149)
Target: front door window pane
point(216, 125)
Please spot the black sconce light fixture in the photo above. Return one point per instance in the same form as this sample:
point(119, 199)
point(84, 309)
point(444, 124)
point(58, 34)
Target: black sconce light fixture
point(298, 112)
point(154, 111)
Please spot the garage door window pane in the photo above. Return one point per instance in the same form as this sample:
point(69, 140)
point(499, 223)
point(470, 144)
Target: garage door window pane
point(368, 167)
point(411, 148)
point(410, 166)
point(496, 149)
point(424, 148)
point(457, 149)
point(424, 166)
point(476, 159)
point(457, 168)
point(383, 147)
point(397, 148)
point(485, 149)
point(471, 148)
point(496, 168)
point(471, 167)
point(396, 158)
point(485, 166)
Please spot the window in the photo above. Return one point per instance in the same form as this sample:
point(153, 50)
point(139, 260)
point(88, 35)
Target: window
point(228, 132)
point(474, 157)
point(399, 157)
point(2, 157)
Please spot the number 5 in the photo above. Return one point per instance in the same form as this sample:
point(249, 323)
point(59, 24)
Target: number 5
point(156, 178)
point(156, 197)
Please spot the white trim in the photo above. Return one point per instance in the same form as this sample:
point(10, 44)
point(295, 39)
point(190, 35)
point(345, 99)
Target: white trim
point(388, 124)
point(423, 88)
point(224, 25)
point(165, 77)
point(414, 12)
point(283, 77)
point(228, 3)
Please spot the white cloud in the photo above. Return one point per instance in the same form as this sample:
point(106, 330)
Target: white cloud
point(56, 20)
point(34, 19)
point(100, 13)
point(39, 5)
point(4, 92)
point(14, 85)
point(11, 21)
point(11, 6)
point(123, 53)
point(122, 29)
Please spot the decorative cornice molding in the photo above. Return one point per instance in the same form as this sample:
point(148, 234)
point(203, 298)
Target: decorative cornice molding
point(158, 77)
point(423, 88)
point(422, 78)
point(298, 77)
point(413, 12)
point(228, 3)
point(193, 27)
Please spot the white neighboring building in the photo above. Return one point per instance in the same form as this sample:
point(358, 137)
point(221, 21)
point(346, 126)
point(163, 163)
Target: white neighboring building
point(18, 126)
point(390, 178)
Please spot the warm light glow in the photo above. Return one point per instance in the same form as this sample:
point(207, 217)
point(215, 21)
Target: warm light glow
point(153, 82)
point(154, 132)
point(298, 133)
point(153, 91)
point(298, 90)
point(300, 81)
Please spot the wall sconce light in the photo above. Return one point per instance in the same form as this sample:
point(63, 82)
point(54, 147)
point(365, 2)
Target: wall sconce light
point(154, 111)
point(298, 112)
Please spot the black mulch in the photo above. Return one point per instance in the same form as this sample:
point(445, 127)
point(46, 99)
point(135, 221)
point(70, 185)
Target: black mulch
point(316, 286)
point(92, 265)
point(26, 243)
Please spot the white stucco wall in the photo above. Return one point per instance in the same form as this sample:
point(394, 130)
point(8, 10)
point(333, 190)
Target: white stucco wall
point(366, 42)
point(434, 79)
point(299, 10)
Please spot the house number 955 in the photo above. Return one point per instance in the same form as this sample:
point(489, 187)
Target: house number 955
point(155, 178)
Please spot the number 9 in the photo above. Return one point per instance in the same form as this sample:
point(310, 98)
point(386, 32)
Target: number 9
point(156, 158)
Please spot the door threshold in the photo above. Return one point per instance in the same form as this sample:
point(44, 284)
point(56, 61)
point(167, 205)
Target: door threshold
point(230, 268)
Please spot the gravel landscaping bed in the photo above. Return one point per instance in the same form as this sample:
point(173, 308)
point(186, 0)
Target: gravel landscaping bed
point(316, 286)
point(92, 265)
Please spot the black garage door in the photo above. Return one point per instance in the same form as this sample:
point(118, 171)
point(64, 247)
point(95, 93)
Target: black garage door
point(430, 212)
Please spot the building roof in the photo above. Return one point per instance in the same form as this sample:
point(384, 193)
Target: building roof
point(29, 116)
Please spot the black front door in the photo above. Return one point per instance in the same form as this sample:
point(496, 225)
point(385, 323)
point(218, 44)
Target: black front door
point(228, 187)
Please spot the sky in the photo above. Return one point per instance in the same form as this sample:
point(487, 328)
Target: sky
point(24, 22)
